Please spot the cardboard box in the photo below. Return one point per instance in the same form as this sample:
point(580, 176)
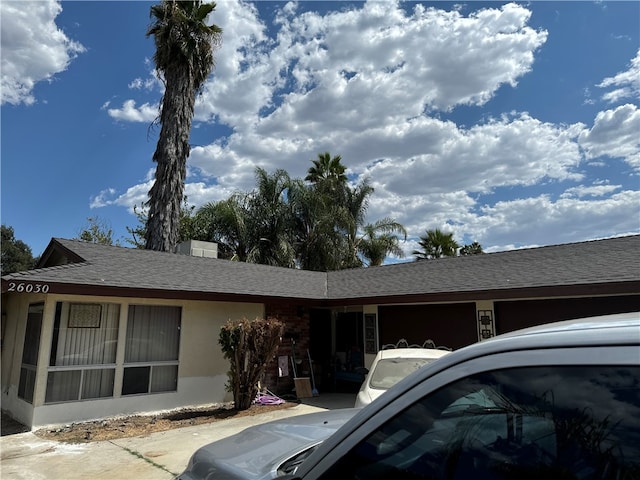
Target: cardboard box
point(303, 387)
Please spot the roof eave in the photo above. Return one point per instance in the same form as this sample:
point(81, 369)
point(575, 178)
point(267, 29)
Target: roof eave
point(552, 291)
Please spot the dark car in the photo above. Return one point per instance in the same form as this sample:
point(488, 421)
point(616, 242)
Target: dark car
point(556, 401)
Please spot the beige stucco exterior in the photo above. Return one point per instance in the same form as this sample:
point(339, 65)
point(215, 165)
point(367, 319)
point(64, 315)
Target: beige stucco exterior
point(202, 370)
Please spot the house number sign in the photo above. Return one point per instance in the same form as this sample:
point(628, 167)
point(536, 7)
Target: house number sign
point(22, 287)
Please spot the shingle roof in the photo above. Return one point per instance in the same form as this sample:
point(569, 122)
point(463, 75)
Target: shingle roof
point(596, 262)
point(109, 266)
point(590, 264)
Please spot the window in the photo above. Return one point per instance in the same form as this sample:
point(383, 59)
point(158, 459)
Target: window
point(83, 351)
point(151, 349)
point(30, 351)
point(537, 422)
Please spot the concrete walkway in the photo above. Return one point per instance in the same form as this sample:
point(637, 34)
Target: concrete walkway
point(159, 456)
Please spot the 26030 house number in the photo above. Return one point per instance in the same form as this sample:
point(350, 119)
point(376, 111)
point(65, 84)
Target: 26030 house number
point(22, 287)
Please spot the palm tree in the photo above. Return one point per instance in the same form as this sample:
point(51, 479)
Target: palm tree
point(184, 59)
point(254, 227)
point(436, 244)
point(271, 221)
point(379, 241)
point(318, 243)
point(356, 204)
point(327, 168)
point(226, 223)
point(472, 249)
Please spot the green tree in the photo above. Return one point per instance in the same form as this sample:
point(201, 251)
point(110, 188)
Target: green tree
point(355, 205)
point(327, 168)
point(256, 227)
point(226, 223)
point(436, 244)
point(294, 223)
point(184, 59)
point(138, 232)
point(16, 255)
point(472, 249)
point(379, 240)
point(96, 230)
point(271, 222)
point(249, 346)
point(319, 244)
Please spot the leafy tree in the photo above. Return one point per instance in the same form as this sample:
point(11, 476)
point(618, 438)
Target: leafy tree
point(379, 240)
point(16, 255)
point(184, 59)
point(472, 249)
point(138, 232)
point(249, 346)
point(436, 244)
point(96, 230)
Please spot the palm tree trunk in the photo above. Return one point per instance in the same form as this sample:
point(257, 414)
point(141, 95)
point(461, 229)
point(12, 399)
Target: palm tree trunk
point(166, 194)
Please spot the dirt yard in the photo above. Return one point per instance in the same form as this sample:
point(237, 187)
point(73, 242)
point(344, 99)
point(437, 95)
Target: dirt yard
point(140, 425)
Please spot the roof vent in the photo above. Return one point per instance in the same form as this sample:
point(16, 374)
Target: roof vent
point(198, 248)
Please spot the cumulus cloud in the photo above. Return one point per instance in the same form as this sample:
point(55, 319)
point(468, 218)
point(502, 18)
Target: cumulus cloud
point(34, 49)
point(347, 81)
point(615, 134)
point(532, 221)
point(374, 83)
point(131, 113)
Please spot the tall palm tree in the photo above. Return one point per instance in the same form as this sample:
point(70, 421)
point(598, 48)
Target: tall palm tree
point(184, 59)
point(379, 240)
point(436, 244)
point(327, 168)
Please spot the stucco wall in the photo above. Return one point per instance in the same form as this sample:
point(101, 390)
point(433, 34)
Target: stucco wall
point(201, 372)
point(14, 311)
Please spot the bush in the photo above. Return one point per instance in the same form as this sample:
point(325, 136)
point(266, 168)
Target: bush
point(249, 346)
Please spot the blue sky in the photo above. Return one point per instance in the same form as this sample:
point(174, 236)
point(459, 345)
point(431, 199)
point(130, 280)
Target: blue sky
point(510, 124)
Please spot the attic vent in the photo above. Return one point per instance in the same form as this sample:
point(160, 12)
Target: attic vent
point(198, 248)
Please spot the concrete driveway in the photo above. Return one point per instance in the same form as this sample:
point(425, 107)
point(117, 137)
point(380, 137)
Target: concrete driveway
point(159, 456)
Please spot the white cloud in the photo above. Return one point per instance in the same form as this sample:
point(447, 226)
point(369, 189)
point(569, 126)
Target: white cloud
point(134, 196)
point(33, 48)
point(129, 112)
point(589, 191)
point(615, 134)
point(627, 83)
point(369, 84)
point(355, 91)
point(534, 220)
point(102, 199)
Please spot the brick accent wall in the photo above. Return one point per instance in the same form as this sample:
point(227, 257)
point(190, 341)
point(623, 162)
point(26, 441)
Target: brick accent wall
point(296, 320)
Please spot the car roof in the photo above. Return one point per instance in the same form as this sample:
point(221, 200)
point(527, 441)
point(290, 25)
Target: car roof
point(412, 353)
